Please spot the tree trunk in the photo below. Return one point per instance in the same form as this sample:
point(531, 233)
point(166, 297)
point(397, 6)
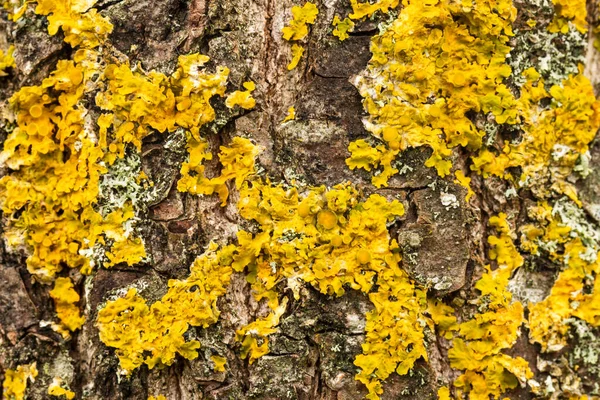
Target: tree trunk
point(443, 236)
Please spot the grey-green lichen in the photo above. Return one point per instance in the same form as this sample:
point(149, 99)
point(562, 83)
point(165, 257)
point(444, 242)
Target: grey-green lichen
point(554, 55)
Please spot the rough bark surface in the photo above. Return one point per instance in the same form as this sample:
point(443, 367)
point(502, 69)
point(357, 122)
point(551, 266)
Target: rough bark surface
point(311, 356)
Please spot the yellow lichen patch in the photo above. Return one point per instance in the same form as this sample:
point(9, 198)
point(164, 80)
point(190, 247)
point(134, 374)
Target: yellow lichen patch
point(65, 301)
point(159, 397)
point(502, 248)
point(363, 155)
point(361, 10)
point(15, 8)
point(154, 334)
point(6, 60)
point(15, 381)
point(237, 162)
point(257, 331)
point(139, 103)
point(55, 167)
point(478, 344)
point(432, 66)
point(291, 114)
point(566, 11)
point(443, 393)
point(554, 138)
point(242, 98)
point(219, 363)
point(548, 319)
point(298, 26)
point(326, 238)
point(342, 27)
point(82, 25)
point(397, 317)
point(297, 52)
point(443, 317)
point(465, 182)
point(56, 389)
point(331, 240)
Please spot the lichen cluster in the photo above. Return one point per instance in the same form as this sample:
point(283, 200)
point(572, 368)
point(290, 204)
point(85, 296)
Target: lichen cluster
point(50, 196)
point(478, 342)
point(297, 29)
point(15, 381)
point(439, 63)
point(327, 238)
point(435, 64)
point(65, 302)
point(6, 60)
point(57, 389)
point(435, 69)
point(155, 334)
point(576, 249)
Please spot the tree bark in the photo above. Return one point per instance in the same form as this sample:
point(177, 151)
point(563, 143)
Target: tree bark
point(311, 355)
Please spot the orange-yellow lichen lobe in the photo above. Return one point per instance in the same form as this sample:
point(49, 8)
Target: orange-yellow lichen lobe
point(15, 381)
point(7, 60)
point(297, 52)
point(65, 302)
point(342, 27)
point(56, 389)
point(154, 334)
point(81, 24)
point(414, 100)
point(361, 10)
point(301, 18)
point(237, 161)
point(566, 12)
point(242, 98)
point(219, 363)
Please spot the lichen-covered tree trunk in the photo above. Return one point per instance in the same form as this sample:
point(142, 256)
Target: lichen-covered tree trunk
point(279, 199)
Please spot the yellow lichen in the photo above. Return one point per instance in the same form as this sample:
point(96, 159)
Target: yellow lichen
point(326, 238)
point(443, 393)
point(298, 26)
point(65, 302)
point(366, 9)
point(465, 182)
point(6, 60)
point(159, 397)
point(15, 381)
point(432, 66)
point(55, 165)
point(291, 114)
point(56, 389)
point(219, 363)
point(242, 98)
point(437, 63)
point(478, 343)
point(554, 138)
point(81, 24)
point(139, 103)
point(55, 160)
point(15, 8)
point(297, 52)
point(257, 331)
point(565, 11)
point(331, 240)
point(342, 27)
point(443, 317)
point(237, 162)
point(154, 334)
point(548, 319)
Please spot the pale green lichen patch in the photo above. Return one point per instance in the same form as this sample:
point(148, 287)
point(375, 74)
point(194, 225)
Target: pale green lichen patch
point(554, 55)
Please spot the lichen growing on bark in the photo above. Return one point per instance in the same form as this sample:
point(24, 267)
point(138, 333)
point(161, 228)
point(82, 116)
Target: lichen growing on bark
point(446, 77)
